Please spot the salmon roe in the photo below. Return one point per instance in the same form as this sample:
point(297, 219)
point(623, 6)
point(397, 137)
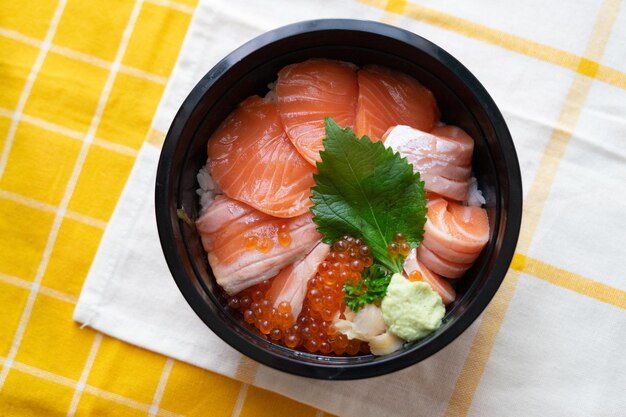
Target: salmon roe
point(258, 311)
point(399, 246)
point(284, 237)
point(264, 242)
point(415, 276)
point(313, 330)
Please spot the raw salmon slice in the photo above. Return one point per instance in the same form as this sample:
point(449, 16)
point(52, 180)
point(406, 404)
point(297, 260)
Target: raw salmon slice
point(243, 246)
point(389, 98)
point(454, 236)
point(459, 228)
point(469, 222)
point(308, 92)
point(446, 253)
point(291, 282)
point(252, 160)
point(438, 283)
point(439, 265)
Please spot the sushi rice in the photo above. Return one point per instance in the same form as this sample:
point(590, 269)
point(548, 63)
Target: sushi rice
point(207, 188)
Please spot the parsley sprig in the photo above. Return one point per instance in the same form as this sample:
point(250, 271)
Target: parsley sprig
point(371, 288)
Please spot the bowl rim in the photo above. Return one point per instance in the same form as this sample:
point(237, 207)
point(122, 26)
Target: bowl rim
point(382, 365)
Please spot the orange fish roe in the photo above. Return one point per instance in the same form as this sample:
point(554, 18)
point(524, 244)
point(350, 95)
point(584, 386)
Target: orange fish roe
point(313, 330)
point(258, 311)
point(252, 242)
point(324, 299)
point(284, 238)
point(399, 246)
point(415, 276)
point(265, 243)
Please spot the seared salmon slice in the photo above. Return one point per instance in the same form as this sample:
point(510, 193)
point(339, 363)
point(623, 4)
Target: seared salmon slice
point(308, 92)
point(252, 160)
point(244, 246)
point(449, 188)
point(442, 157)
point(462, 142)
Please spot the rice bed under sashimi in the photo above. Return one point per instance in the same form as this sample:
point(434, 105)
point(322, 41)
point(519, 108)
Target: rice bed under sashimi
point(258, 230)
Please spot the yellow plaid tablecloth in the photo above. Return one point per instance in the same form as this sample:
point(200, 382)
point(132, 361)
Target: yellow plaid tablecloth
point(81, 81)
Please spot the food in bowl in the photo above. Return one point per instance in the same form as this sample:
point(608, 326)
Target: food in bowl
point(324, 239)
point(247, 70)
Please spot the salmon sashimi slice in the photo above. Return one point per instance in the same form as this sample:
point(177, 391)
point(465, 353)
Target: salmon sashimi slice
point(389, 98)
point(460, 228)
point(446, 253)
point(439, 265)
point(454, 236)
point(438, 283)
point(290, 284)
point(308, 92)
point(469, 222)
point(252, 160)
point(444, 164)
point(243, 245)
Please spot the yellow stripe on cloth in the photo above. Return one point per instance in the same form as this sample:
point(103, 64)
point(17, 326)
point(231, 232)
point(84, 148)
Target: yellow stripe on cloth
point(611, 76)
point(537, 196)
point(155, 138)
point(80, 56)
point(479, 353)
point(565, 125)
point(396, 6)
point(246, 370)
point(473, 30)
point(570, 281)
point(54, 231)
point(74, 112)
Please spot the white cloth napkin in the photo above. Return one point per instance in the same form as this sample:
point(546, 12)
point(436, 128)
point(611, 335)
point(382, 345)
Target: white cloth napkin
point(553, 350)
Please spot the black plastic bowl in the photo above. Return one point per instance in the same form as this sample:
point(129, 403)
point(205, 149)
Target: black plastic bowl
point(246, 71)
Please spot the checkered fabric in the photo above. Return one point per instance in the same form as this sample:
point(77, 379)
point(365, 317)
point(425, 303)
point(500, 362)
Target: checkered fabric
point(81, 81)
point(85, 79)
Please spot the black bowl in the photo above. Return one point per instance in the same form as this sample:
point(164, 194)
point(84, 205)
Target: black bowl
point(246, 71)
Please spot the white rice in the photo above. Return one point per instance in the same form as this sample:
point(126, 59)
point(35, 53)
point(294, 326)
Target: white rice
point(474, 195)
point(271, 94)
point(208, 188)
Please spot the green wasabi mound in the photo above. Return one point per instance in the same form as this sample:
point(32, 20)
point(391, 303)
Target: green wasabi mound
point(411, 310)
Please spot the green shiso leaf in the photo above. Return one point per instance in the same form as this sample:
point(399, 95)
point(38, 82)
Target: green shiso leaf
point(364, 189)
